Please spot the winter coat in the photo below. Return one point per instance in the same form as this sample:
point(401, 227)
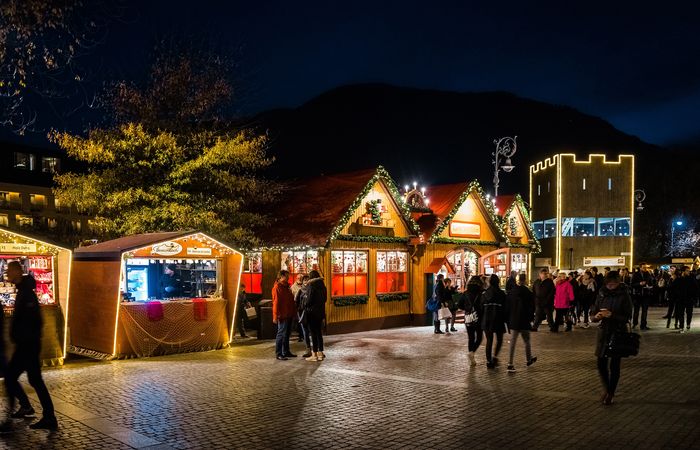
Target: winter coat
point(511, 283)
point(442, 294)
point(282, 302)
point(675, 290)
point(26, 319)
point(315, 298)
point(688, 289)
point(544, 292)
point(564, 295)
point(470, 301)
point(521, 306)
point(617, 301)
point(587, 292)
point(493, 310)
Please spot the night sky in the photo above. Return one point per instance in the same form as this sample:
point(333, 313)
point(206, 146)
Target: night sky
point(636, 66)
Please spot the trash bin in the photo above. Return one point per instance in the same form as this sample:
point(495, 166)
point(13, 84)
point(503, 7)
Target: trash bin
point(268, 330)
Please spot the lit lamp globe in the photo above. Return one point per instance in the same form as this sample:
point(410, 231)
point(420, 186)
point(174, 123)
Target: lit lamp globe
point(508, 166)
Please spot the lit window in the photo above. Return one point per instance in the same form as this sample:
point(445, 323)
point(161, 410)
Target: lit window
point(610, 184)
point(548, 186)
point(252, 273)
point(51, 223)
point(606, 226)
point(76, 225)
point(4, 220)
point(550, 228)
point(538, 228)
point(538, 190)
point(24, 161)
point(50, 165)
point(37, 201)
point(349, 272)
point(299, 263)
point(622, 226)
point(392, 268)
point(24, 221)
point(584, 184)
point(578, 226)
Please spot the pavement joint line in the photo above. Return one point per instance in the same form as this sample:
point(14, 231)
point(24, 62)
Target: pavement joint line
point(103, 426)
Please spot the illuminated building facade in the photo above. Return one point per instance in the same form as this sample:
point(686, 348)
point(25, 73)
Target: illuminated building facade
point(583, 211)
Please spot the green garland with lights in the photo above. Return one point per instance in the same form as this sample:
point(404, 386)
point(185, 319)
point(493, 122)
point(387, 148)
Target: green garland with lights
point(442, 240)
point(350, 300)
point(474, 187)
point(387, 239)
point(393, 297)
point(380, 175)
point(518, 202)
point(374, 211)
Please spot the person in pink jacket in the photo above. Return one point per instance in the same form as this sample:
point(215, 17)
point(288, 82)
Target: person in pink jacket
point(563, 297)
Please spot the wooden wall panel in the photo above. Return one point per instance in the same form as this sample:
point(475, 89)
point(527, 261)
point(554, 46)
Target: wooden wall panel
point(379, 191)
point(94, 288)
point(232, 279)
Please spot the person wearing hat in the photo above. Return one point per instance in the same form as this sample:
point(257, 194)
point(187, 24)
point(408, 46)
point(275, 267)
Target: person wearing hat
point(613, 310)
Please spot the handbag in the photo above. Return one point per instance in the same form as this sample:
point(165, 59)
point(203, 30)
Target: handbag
point(471, 318)
point(622, 344)
point(432, 305)
point(444, 313)
point(251, 313)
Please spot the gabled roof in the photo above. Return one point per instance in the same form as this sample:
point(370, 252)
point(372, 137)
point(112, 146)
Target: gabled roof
point(503, 202)
point(34, 237)
point(516, 201)
point(313, 211)
point(113, 249)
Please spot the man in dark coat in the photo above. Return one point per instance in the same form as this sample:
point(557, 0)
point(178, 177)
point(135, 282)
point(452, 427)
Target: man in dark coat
point(641, 282)
point(494, 318)
point(315, 313)
point(521, 306)
point(689, 292)
point(25, 332)
point(544, 300)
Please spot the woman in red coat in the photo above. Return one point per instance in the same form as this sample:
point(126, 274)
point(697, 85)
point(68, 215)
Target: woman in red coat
point(283, 314)
point(563, 297)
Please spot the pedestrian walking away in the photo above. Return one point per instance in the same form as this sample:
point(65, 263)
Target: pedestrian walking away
point(521, 305)
point(544, 300)
point(470, 303)
point(315, 312)
point(563, 298)
point(283, 313)
point(494, 314)
point(613, 310)
point(25, 333)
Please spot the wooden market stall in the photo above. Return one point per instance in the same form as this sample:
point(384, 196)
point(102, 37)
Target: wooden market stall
point(50, 265)
point(153, 294)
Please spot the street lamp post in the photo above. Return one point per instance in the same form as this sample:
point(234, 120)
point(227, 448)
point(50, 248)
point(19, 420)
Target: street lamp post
point(505, 148)
point(673, 227)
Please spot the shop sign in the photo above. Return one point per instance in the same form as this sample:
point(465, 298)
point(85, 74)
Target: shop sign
point(543, 262)
point(465, 229)
point(14, 247)
point(199, 251)
point(169, 248)
point(682, 260)
point(604, 261)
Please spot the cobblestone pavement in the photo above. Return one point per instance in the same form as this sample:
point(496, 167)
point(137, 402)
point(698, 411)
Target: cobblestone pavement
point(401, 388)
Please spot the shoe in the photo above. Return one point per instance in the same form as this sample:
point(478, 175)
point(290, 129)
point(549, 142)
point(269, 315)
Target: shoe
point(320, 356)
point(24, 412)
point(511, 368)
point(313, 357)
point(608, 400)
point(282, 358)
point(532, 361)
point(645, 328)
point(300, 339)
point(472, 360)
point(290, 355)
point(490, 365)
point(495, 362)
point(665, 317)
point(586, 325)
point(682, 331)
point(447, 332)
point(453, 329)
point(533, 329)
point(45, 423)
point(567, 329)
point(7, 426)
point(438, 332)
point(308, 353)
point(688, 328)
point(244, 336)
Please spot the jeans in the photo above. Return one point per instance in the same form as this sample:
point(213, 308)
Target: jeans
point(26, 358)
point(489, 343)
point(640, 302)
point(474, 336)
point(315, 325)
point(562, 313)
point(284, 329)
point(304, 327)
point(582, 307)
point(241, 323)
point(610, 377)
point(514, 338)
point(540, 313)
point(684, 313)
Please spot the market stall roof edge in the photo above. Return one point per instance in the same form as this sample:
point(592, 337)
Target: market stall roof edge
point(113, 249)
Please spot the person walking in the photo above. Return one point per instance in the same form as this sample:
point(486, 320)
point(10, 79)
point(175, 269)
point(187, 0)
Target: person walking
point(493, 312)
point(300, 299)
point(450, 296)
point(439, 295)
point(587, 290)
point(613, 310)
point(574, 305)
point(315, 311)
point(25, 332)
point(563, 297)
point(689, 295)
point(544, 291)
point(674, 292)
point(521, 305)
point(641, 281)
point(242, 304)
point(470, 303)
point(283, 313)
point(512, 281)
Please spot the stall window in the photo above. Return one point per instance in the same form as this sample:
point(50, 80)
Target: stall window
point(299, 263)
point(349, 272)
point(578, 226)
point(252, 273)
point(550, 228)
point(538, 228)
point(606, 226)
point(622, 226)
point(392, 269)
point(518, 262)
point(50, 165)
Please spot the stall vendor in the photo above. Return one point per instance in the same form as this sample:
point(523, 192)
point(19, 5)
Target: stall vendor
point(171, 284)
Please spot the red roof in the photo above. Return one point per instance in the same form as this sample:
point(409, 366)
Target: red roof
point(503, 202)
point(113, 249)
point(312, 208)
point(443, 199)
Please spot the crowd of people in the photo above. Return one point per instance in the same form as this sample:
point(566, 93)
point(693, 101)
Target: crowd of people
point(614, 300)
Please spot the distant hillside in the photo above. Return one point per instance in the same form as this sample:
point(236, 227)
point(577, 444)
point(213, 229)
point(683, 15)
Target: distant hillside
point(431, 136)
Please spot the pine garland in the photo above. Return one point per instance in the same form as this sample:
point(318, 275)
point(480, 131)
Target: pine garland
point(387, 239)
point(393, 297)
point(374, 211)
point(519, 203)
point(350, 300)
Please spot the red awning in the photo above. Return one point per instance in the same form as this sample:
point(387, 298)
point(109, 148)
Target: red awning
point(436, 265)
